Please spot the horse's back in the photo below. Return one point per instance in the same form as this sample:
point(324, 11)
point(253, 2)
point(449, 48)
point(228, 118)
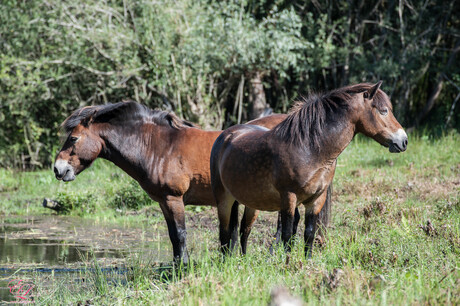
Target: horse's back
point(269, 121)
point(237, 136)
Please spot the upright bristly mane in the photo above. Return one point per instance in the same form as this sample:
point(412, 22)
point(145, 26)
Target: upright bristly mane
point(122, 112)
point(308, 117)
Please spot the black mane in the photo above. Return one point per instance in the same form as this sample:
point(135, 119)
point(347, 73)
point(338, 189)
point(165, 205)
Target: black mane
point(121, 113)
point(308, 117)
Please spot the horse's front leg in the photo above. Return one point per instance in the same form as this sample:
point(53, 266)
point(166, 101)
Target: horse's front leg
point(288, 206)
point(174, 212)
point(249, 217)
point(311, 217)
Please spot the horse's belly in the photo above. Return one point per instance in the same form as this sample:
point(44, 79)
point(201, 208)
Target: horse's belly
point(265, 206)
point(254, 193)
point(199, 193)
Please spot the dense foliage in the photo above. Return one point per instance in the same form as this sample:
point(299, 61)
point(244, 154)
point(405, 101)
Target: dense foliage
point(216, 62)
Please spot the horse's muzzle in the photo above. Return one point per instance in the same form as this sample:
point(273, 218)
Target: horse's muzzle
point(398, 142)
point(63, 171)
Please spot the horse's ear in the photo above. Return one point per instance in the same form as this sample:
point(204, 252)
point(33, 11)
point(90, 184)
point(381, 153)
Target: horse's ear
point(170, 119)
point(373, 90)
point(89, 118)
point(86, 122)
point(176, 122)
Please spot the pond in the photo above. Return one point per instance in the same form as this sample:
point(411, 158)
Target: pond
point(68, 246)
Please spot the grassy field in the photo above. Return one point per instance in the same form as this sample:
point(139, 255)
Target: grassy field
point(394, 239)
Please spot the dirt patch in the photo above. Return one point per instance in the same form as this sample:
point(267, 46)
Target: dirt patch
point(262, 232)
point(377, 207)
point(206, 219)
point(426, 190)
point(429, 229)
point(435, 189)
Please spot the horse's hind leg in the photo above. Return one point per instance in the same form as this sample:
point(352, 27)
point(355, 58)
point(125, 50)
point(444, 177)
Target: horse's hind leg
point(277, 237)
point(173, 210)
point(296, 221)
point(224, 211)
point(249, 216)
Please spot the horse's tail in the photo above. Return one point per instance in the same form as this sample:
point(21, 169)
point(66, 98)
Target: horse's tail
point(216, 183)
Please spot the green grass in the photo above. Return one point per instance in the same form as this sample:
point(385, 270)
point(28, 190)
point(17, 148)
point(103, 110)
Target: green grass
point(395, 236)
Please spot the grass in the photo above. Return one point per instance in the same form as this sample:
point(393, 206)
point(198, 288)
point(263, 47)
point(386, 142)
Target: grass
point(395, 236)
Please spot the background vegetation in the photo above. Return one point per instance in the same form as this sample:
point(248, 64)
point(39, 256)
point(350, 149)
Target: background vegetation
point(216, 62)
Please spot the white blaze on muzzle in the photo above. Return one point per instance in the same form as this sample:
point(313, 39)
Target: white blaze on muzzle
point(400, 135)
point(399, 141)
point(63, 170)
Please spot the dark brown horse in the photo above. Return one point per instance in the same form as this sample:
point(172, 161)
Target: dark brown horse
point(169, 157)
point(276, 170)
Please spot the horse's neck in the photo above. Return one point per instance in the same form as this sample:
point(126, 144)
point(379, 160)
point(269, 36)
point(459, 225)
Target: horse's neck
point(132, 149)
point(337, 136)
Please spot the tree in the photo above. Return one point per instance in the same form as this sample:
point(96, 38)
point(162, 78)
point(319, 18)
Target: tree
point(216, 62)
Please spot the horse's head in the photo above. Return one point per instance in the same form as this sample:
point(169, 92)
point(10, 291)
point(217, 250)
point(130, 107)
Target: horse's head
point(100, 130)
point(80, 149)
point(376, 119)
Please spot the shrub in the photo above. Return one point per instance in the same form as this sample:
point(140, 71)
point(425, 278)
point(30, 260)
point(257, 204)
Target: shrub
point(132, 197)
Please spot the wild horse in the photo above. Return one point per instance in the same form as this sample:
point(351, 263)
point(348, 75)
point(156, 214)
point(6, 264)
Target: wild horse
point(293, 163)
point(169, 157)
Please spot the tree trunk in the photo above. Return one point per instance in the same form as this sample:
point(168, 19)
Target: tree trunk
point(437, 89)
point(257, 100)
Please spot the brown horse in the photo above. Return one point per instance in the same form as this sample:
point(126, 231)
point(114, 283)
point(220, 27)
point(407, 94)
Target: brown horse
point(276, 170)
point(169, 157)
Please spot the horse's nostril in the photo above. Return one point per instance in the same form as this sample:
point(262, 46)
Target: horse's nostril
point(56, 172)
point(405, 143)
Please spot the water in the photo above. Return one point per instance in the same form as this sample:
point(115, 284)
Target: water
point(62, 246)
point(45, 251)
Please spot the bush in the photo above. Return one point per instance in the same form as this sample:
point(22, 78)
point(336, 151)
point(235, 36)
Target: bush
point(79, 203)
point(131, 197)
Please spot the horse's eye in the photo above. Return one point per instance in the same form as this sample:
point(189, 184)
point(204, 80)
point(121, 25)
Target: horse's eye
point(73, 139)
point(384, 111)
